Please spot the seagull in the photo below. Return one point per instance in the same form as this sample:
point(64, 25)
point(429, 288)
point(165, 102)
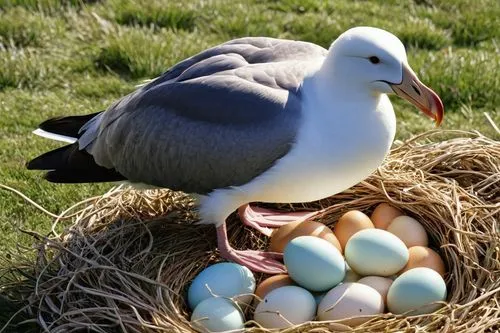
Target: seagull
point(255, 119)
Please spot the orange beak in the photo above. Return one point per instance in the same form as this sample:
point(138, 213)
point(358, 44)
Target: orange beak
point(419, 95)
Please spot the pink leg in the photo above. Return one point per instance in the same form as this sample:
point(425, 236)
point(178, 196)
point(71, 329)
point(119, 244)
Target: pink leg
point(258, 261)
point(261, 218)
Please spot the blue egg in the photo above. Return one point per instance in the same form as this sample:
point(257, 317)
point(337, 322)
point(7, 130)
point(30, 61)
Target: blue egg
point(314, 263)
point(416, 289)
point(217, 314)
point(222, 279)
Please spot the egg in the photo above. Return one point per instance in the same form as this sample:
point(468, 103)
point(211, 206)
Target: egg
point(272, 283)
point(379, 283)
point(284, 307)
point(350, 223)
point(421, 256)
point(349, 300)
point(376, 252)
point(217, 314)
point(314, 263)
point(409, 230)
point(350, 275)
point(383, 215)
point(415, 290)
point(280, 237)
point(222, 279)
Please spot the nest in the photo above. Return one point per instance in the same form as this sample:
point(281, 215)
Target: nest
point(126, 261)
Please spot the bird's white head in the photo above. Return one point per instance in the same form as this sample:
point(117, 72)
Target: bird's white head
point(366, 58)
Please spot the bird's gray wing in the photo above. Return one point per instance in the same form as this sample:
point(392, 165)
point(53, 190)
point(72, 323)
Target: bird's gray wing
point(217, 119)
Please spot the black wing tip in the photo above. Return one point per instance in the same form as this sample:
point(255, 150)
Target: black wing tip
point(67, 125)
point(29, 165)
point(34, 164)
point(46, 123)
point(69, 164)
point(56, 177)
point(76, 177)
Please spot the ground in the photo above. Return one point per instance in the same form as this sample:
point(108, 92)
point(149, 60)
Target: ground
point(75, 57)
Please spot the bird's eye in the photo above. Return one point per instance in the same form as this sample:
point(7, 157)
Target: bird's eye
point(374, 59)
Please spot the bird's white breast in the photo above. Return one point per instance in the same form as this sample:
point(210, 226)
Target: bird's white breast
point(334, 150)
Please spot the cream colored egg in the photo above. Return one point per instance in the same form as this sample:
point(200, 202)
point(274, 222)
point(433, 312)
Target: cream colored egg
point(349, 224)
point(284, 307)
point(350, 300)
point(383, 215)
point(376, 252)
point(409, 230)
point(379, 283)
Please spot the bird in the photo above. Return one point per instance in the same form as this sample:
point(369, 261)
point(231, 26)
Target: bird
point(252, 120)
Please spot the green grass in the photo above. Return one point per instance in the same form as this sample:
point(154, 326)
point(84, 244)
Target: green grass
point(76, 57)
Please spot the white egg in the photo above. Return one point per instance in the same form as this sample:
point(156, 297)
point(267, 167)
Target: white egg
point(379, 283)
point(217, 314)
point(222, 279)
point(348, 300)
point(284, 307)
point(376, 252)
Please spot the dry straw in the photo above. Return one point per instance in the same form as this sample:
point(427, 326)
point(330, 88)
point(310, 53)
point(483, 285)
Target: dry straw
point(127, 259)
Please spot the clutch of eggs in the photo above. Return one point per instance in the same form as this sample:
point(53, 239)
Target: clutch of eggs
point(361, 268)
point(368, 265)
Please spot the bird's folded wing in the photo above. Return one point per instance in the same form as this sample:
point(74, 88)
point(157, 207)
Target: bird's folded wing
point(217, 119)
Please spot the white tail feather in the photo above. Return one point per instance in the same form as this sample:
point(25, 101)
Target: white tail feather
point(53, 136)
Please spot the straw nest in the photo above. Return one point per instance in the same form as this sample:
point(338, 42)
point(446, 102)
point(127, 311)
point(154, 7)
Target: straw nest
point(126, 260)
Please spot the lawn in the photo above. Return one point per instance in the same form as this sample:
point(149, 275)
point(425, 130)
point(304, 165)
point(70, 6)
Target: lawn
point(76, 57)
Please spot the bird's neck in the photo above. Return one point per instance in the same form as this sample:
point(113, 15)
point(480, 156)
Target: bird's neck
point(338, 96)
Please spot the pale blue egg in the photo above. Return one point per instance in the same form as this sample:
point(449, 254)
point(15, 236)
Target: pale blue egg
point(415, 289)
point(222, 279)
point(217, 314)
point(376, 252)
point(314, 263)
